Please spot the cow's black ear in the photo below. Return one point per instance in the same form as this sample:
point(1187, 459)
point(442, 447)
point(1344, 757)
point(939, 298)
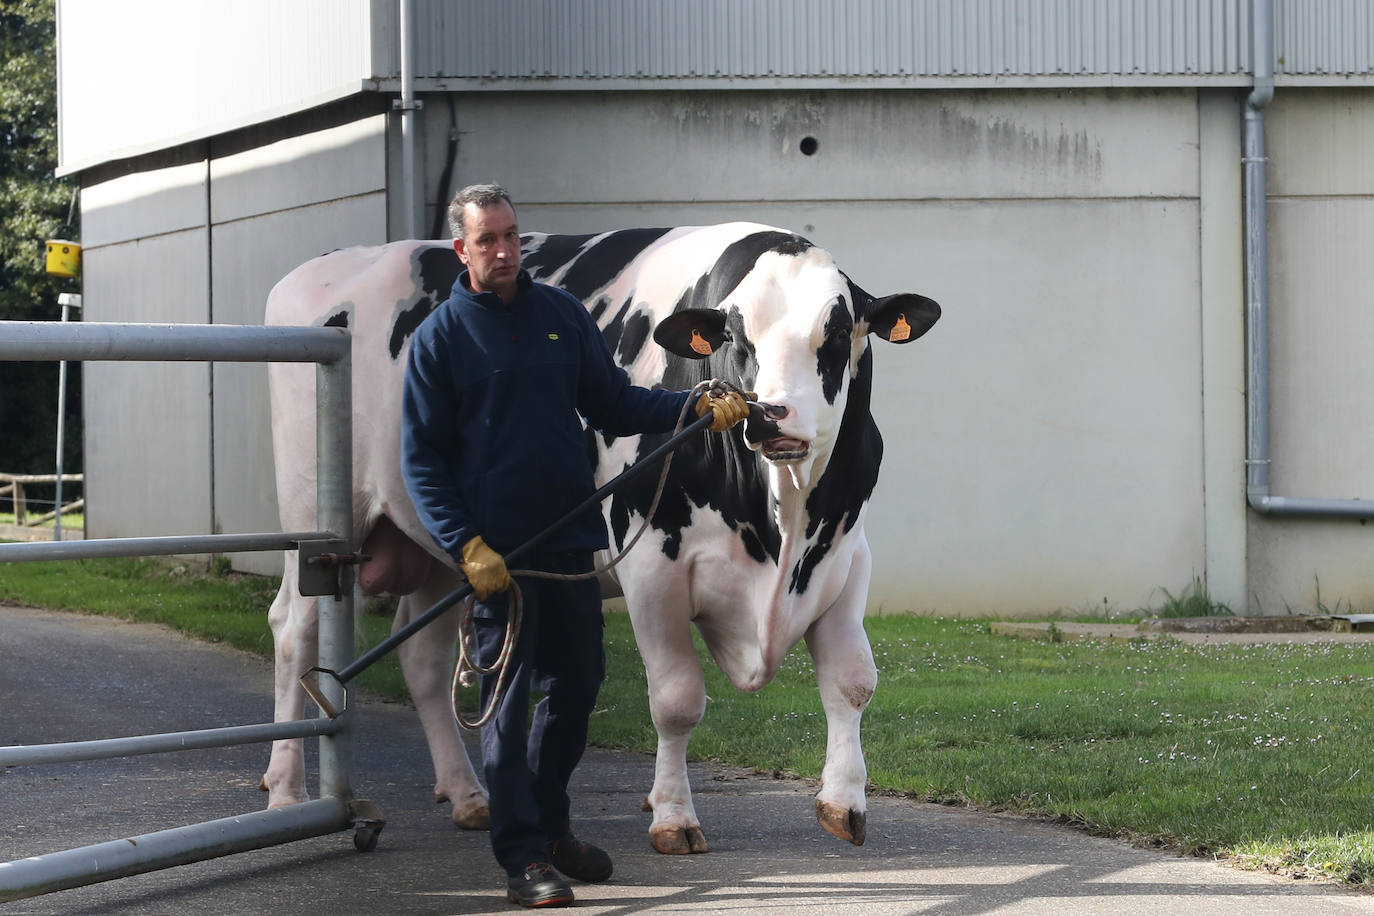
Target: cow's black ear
point(693, 333)
point(902, 318)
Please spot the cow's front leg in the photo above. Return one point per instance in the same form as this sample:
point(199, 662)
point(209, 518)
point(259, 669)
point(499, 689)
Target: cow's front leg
point(677, 701)
point(294, 637)
point(427, 661)
point(847, 678)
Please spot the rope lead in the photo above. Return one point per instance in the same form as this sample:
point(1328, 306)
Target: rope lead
point(466, 672)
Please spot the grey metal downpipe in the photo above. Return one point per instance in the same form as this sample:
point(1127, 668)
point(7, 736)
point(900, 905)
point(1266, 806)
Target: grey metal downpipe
point(1257, 296)
point(408, 107)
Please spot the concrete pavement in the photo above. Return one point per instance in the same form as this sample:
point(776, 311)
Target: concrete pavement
point(69, 676)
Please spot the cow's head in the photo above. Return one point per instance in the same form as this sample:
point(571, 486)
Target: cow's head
point(794, 329)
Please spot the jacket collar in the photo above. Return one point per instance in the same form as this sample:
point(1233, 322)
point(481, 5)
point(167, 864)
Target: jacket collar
point(523, 282)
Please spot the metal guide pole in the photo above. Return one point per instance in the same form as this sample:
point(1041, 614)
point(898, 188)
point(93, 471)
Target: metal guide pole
point(334, 495)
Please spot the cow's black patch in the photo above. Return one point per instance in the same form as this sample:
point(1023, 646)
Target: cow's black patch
point(614, 328)
point(599, 264)
point(551, 254)
point(437, 272)
point(632, 338)
point(832, 357)
point(848, 479)
point(407, 320)
point(339, 319)
point(735, 263)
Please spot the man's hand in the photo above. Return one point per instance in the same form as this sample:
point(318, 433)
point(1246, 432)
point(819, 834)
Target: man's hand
point(485, 569)
point(727, 404)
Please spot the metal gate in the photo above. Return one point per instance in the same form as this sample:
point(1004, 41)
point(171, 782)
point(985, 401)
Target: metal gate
point(336, 809)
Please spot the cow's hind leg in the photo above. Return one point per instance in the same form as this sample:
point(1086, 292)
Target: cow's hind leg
point(427, 661)
point(677, 701)
point(847, 678)
point(294, 636)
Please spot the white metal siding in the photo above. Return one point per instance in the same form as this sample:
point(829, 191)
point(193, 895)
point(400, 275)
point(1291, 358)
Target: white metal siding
point(273, 208)
point(162, 246)
point(147, 425)
point(137, 75)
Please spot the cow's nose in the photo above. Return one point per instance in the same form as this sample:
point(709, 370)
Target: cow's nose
point(762, 424)
point(762, 411)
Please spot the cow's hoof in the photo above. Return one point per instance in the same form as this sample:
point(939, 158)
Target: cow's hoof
point(677, 841)
point(475, 815)
point(845, 823)
point(478, 818)
point(281, 799)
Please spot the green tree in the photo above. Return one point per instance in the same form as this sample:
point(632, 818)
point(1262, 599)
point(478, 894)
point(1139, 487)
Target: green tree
point(35, 206)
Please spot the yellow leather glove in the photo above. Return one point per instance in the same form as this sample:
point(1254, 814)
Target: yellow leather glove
point(485, 569)
point(726, 403)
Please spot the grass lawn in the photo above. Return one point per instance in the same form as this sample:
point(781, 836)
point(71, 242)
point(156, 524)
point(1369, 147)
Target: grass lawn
point(71, 521)
point(1259, 753)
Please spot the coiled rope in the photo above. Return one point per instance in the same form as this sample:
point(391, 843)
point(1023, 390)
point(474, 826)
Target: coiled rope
point(466, 672)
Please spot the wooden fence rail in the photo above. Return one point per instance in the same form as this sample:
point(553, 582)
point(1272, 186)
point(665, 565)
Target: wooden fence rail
point(12, 485)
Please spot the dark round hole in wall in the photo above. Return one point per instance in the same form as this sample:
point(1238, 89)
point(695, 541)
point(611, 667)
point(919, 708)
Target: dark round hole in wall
point(809, 146)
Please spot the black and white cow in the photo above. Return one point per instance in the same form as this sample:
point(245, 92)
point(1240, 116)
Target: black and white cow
point(759, 537)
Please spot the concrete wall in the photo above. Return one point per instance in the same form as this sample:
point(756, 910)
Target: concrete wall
point(1044, 442)
point(185, 447)
point(1070, 437)
point(1321, 230)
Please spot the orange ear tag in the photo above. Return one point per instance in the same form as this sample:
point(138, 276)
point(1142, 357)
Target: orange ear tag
point(703, 346)
point(901, 330)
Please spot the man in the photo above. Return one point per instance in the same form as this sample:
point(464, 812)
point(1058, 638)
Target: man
point(493, 451)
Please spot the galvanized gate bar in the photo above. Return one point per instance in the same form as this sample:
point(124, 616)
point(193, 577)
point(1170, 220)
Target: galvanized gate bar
point(179, 846)
point(155, 546)
point(330, 349)
point(92, 340)
point(133, 745)
point(334, 512)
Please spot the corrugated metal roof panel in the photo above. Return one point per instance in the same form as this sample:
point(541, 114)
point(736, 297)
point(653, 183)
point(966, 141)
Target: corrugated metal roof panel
point(1092, 40)
point(1315, 37)
point(744, 39)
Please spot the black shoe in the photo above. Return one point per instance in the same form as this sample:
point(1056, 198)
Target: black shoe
point(539, 885)
point(580, 860)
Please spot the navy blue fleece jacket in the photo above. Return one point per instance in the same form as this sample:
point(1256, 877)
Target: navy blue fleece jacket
point(491, 443)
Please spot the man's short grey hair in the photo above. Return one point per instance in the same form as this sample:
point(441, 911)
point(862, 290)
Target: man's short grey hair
point(483, 195)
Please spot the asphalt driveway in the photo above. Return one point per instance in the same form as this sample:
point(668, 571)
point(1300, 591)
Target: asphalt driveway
point(69, 676)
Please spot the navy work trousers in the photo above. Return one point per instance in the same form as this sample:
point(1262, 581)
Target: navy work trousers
point(528, 761)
